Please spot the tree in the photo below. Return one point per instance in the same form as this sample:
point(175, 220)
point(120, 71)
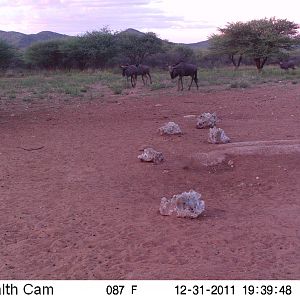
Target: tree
point(45, 54)
point(99, 47)
point(7, 54)
point(231, 42)
point(181, 53)
point(137, 47)
point(270, 37)
point(91, 50)
point(258, 39)
point(73, 54)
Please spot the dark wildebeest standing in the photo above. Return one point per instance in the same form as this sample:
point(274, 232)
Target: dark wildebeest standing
point(183, 69)
point(144, 71)
point(287, 65)
point(130, 71)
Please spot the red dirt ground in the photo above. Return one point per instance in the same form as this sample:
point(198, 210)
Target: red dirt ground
point(84, 206)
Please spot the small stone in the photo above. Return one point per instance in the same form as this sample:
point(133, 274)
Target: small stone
point(217, 136)
point(230, 163)
point(185, 205)
point(170, 128)
point(189, 116)
point(151, 155)
point(206, 120)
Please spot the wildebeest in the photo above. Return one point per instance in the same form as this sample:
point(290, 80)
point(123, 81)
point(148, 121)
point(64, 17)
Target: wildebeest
point(183, 69)
point(287, 65)
point(144, 71)
point(130, 71)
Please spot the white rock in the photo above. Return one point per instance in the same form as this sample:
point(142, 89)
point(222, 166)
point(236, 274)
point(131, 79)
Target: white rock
point(185, 205)
point(206, 120)
point(170, 128)
point(217, 136)
point(151, 155)
point(189, 116)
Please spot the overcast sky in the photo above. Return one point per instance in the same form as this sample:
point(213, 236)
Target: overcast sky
point(184, 21)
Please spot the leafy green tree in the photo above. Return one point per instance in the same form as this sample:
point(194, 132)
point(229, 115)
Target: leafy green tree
point(91, 50)
point(99, 47)
point(269, 38)
point(231, 42)
point(258, 39)
point(7, 54)
point(181, 53)
point(45, 54)
point(138, 47)
point(73, 54)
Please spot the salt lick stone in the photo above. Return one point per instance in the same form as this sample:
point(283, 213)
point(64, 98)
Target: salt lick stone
point(185, 205)
point(170, 128)
point(217, 136)
point(151, 155)
point(206, 120)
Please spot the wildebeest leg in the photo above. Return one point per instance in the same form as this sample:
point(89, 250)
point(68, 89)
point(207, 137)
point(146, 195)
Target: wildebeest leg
point(143, 79)
point(181, 83)
point(191, 82)
point(196, 81)
point(134, 79)
point(150, 78)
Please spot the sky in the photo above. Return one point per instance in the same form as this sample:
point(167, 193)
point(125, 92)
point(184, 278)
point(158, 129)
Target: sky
point(185, 21)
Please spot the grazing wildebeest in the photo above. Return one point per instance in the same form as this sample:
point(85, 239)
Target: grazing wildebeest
point(287, 65)
point(130, 71)
point(144, 71)
point(183, 69)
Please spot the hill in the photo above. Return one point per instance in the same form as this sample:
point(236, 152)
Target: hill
point(21, 40)
point(199, 45)
point(134, 32)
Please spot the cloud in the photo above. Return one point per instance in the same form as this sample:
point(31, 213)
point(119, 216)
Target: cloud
point(78, 16)
point(185, 19)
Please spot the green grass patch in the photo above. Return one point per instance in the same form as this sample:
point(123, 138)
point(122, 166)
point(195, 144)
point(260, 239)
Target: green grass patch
point(158, 86)
point(117, 89)
point(44, 85)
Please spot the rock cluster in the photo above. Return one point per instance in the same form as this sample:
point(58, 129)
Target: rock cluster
point(206, 120)
point(151, 155)
point(188, 204)
point(170, 128)
point(217, 136)
point(185, 205)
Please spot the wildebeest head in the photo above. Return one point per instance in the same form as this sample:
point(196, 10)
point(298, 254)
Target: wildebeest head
point(173, 72)
point(124, 69)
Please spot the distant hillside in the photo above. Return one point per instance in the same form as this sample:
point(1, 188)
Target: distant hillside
point(134, 32)
point(21, 40)
point(199, 45)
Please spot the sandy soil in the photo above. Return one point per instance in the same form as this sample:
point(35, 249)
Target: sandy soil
point(84, 207)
